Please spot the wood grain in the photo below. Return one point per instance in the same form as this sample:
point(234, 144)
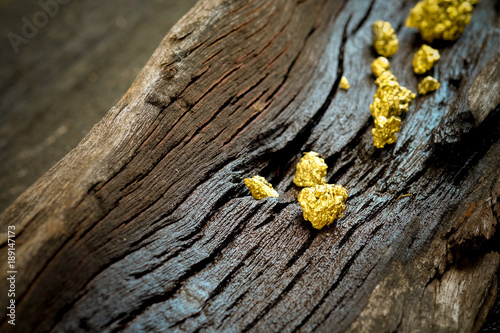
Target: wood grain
point(147, 225)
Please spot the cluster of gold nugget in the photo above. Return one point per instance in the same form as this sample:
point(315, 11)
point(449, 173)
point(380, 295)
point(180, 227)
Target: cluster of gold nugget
point(321, 203)
point(441, 19)
point(436, 19)
point(390, 101)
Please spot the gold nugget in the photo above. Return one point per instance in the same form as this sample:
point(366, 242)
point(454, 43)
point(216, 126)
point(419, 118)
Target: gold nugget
point(344, 84)
point(385, 130)
point(322, 204)
point(380, 65)
point(390, 99)
point(424, 59)
point(427, 85)
point(311, 170)
point(384, 39)
point(440, 19)
point(260, 187)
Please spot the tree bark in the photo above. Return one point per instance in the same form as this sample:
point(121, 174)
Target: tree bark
point(147, 225)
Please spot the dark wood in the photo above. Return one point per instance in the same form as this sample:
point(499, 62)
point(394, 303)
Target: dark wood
point(66, 78)
point(147, 225)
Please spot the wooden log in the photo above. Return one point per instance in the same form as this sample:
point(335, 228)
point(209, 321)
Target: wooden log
point(147, 225)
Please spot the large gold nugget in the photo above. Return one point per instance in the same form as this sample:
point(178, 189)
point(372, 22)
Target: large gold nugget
point(441, 19)
point(424, 59)
point(260, 187)
point(311, 170)
point(385, 130)
point(427, 85)
point(323, 204)
point(384, 40)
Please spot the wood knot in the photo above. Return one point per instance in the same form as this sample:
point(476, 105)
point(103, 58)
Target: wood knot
point(167, 71)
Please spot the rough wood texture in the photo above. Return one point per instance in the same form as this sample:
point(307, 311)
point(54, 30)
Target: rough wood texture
point(147, 226)
point(66, 78)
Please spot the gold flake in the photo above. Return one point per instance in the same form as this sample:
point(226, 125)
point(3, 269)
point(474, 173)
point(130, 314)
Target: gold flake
point(404, 196)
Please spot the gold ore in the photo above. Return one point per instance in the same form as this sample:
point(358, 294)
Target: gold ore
point(344, 84)
point(441, 19)
point(322, 204)
point(390, 100)
point(424, 59)
point(384, 39)
point(311, 170)
point(427, 85)
point(260, 187)
point(380, 65)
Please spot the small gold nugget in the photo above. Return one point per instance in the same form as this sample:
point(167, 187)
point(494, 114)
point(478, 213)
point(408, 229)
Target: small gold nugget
point(380, 65)
point(440, 19)
point(385, 130)
point(384, 39)
point(427, 85)
point(424, 59)
point(322, 204)
point(260, 187)
point(344, 84)
point(311, 170)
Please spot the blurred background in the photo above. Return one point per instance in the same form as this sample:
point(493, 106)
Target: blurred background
point(63, 65)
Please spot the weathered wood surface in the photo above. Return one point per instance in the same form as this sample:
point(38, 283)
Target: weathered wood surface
point(147, 226)
point(64, 80)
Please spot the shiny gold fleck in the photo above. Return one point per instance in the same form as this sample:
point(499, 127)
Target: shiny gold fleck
point(428, 84)
point(260, 187)
point(384, 39)
point(380, 65)
point(311, 170)
point(322, 204)
point(385, 130)
point(390, 99)
point(440, 19)
point(344, 84)
point(424, 59)
point(404, 196)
